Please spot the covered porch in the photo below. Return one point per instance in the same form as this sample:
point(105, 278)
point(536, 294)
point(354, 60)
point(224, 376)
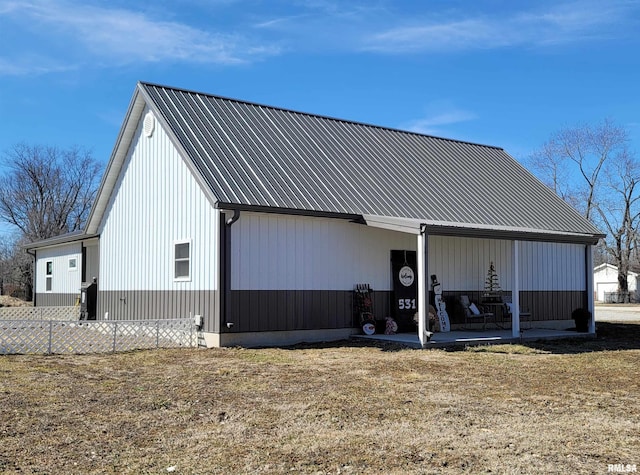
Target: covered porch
point(513, 237)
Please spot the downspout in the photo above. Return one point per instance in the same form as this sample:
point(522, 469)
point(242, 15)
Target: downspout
point(589, 303)
point(226, 265)
point(234, 218)
point(33, 276)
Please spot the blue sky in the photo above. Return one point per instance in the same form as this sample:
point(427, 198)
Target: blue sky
point(506, 73)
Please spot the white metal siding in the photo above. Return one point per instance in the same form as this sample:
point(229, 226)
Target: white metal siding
point(278, 252)
point(463, 263)
point(156, 202)
point(64, 281)
point(552, 266)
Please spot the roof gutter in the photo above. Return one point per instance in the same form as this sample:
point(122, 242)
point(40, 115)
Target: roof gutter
point(533, 235)
point(60, 240)
point(358, 218)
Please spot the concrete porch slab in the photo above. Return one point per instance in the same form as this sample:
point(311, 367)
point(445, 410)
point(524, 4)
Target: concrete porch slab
point(462, 338)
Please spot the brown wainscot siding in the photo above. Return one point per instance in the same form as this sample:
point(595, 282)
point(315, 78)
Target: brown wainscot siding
point(285, 310)
point(544, 305)
point(56, 300)
point(159, 304)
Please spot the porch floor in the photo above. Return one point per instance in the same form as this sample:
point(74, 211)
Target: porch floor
point(470, 337)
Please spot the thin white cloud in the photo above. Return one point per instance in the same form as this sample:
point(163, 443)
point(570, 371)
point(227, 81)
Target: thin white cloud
point(274, 23)
point(453, 35)
point(119, 36)
point(436, 122)
point(321, 25)
point(31, 65)
point(71, 34)
point(563, 23)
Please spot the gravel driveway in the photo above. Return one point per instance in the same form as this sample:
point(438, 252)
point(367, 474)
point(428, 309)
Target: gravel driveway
point(618, 313)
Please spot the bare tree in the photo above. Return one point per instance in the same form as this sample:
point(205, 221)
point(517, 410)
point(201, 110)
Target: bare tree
point(580, 151)
point(47, 191)
point(591, 168)
point(619, 211)
point(16, 269)
point(44, 192)
point(5, 254)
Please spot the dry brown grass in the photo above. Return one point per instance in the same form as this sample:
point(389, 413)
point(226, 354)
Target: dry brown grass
point(553, 408)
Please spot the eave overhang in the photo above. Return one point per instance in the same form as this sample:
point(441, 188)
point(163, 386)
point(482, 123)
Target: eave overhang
point(414, 226)
point(60, 240)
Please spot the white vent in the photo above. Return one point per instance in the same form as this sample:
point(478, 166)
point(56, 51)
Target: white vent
point(149, 124)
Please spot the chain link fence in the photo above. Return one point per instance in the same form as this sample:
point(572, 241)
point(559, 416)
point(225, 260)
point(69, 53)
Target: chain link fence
point(23, 336)
point(620, 297)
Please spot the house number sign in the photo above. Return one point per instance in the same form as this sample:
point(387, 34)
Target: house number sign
point(405, 288)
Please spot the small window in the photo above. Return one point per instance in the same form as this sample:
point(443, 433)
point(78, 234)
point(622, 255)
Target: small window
point(182, 260)
point(73, 263)
point(49, 276)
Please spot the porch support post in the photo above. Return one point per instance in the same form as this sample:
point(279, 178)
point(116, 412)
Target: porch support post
point(422, 268)
point(588, 258)
point(515, 289)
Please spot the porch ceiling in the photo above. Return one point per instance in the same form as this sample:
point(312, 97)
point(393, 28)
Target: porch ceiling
point(414, 225)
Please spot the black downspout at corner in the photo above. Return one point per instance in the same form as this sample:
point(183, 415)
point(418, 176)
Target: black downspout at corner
point(588, 281)
point(33, 277)
point(225, 280)
point(83, 277)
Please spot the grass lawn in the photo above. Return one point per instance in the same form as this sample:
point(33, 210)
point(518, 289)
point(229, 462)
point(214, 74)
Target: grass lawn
point(559, 407)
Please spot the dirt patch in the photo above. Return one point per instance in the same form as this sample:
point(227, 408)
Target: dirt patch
point(7, 301)
point(347, 408)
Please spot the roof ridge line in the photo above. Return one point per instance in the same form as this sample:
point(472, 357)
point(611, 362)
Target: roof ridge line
point(320, 116)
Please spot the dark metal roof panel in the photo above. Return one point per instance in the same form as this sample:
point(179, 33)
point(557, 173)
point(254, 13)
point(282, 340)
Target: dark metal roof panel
point(66, 238)
point(255, 155)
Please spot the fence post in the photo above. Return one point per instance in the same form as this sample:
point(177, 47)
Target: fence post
point(157, 333)
point(50, 334)
point(115, 333)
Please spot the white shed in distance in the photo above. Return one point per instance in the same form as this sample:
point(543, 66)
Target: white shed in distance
point(605, 280)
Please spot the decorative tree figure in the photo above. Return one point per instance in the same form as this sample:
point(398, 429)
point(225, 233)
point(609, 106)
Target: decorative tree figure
point(492, 285)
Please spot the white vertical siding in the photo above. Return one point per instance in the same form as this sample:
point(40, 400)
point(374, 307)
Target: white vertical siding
point(64, 281)
point(277, 252)
point(552, 266)
point(462, 264)
point(156, 202)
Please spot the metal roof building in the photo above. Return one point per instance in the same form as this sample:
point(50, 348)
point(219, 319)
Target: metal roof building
point(262, 219)
point(251, 156)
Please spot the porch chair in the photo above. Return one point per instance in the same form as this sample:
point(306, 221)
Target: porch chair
point(473, 314)
point(525, 314)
